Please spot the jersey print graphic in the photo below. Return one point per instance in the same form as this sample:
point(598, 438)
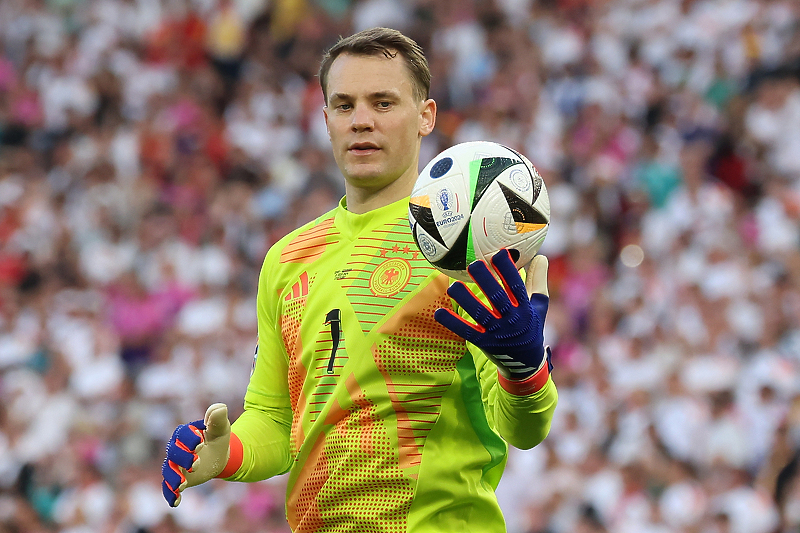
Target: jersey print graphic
point(310, 244)
point(413, 369)
point(376, 491)
point(390, 277)
point(294, 304)
point(299, 289)
point(387, 264)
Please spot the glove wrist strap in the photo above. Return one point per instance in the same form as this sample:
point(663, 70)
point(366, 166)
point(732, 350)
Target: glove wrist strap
point(528, 385)
point(235, 459)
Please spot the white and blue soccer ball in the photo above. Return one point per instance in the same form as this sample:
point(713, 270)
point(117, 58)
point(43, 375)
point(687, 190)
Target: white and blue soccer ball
point(474, 199)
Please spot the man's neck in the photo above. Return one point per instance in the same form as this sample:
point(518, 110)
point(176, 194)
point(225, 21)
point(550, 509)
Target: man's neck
point(361, 200)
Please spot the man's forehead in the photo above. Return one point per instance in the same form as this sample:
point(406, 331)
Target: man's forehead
point(356, 74)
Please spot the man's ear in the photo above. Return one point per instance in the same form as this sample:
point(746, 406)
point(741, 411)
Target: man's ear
point(325, 113)
point(427, 117)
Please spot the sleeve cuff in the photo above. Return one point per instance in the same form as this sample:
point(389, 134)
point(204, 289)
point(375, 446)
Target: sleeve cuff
point(235, 459)
point(529, 385)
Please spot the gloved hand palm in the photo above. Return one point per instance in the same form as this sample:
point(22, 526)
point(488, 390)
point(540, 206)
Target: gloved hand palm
point(196, 453)
point(512, 332)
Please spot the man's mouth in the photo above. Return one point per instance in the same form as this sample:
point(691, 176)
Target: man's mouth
point(363, 148)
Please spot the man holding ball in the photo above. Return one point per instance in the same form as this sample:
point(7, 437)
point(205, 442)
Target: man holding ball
point(388, 394)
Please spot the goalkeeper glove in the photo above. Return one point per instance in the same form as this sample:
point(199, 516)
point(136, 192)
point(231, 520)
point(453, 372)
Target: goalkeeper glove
point(512, 332)
point(196, 452)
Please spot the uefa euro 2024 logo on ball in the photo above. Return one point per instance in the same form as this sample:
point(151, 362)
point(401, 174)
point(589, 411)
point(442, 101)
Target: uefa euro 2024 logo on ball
point(444, 201)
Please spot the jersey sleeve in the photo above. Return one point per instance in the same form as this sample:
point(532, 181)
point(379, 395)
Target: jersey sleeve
point(264, 427)
point(522, 420)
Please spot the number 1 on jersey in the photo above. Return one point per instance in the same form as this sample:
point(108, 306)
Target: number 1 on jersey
point(334, 319)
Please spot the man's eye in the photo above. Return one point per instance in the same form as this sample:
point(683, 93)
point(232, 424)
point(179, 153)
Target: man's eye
point(384, 105)
point(343, 107)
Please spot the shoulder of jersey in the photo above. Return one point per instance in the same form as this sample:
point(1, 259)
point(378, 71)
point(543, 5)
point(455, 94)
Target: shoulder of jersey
point(278, 246)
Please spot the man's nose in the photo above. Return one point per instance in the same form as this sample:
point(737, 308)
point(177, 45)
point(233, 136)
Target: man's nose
point(363, 119)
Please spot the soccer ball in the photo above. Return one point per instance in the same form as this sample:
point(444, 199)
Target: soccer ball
point(474, 199)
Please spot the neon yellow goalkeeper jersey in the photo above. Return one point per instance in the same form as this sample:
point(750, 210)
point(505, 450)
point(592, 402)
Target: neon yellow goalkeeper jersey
point(385, 420)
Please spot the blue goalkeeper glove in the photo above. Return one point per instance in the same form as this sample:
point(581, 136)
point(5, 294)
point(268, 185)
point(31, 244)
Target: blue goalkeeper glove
point(196, 453)
point(512, 332)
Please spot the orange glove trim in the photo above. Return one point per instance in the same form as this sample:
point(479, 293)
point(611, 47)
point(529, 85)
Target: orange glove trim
point(527, 386)
point(235, 459)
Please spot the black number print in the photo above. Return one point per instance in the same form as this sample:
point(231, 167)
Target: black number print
point(334, 319)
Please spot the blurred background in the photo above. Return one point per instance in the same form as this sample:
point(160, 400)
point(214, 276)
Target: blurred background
point(151, 151)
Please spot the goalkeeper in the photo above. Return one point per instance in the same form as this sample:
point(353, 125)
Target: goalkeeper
point(389, 395)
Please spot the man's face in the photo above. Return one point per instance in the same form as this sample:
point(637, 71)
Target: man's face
point(375, 121)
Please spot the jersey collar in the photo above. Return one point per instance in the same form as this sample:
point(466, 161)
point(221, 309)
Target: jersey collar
point(351, 224)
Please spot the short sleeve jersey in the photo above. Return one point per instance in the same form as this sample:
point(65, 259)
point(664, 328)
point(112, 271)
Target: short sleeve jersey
point(390, 427)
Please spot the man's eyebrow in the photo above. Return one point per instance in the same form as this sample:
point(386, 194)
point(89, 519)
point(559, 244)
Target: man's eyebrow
point(372, 96)
point(385, 94)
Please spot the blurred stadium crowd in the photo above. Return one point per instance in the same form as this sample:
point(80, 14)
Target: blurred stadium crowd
point(152, 150)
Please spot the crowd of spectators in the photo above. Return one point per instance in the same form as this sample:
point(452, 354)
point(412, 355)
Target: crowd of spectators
point(152, 150)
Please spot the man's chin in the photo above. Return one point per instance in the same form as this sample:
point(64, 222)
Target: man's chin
point(363, 175)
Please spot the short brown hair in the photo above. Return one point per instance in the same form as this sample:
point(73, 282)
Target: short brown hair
point(389, 43)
